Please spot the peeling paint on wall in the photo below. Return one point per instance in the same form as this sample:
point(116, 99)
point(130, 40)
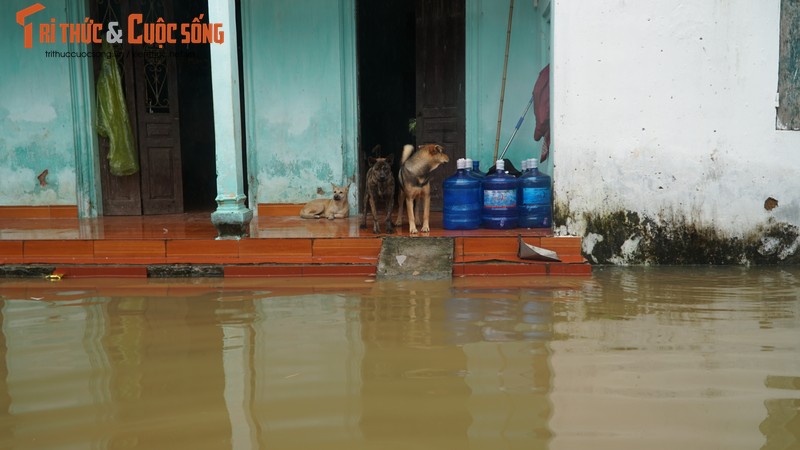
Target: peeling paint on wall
point(36, 125)
point(21, 186)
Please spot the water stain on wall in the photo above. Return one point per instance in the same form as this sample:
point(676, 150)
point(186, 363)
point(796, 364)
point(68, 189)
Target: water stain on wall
point(628, 237)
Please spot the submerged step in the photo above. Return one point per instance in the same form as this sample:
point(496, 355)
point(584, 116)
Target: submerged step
point(418, 258)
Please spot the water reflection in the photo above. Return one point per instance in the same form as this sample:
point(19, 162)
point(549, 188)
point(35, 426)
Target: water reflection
point(163, 352)
point(628, 358)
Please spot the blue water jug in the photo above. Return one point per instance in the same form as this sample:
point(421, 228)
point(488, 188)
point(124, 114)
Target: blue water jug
point(535, 197)
point(476, 168)
point(462, 200)
point(499, 210)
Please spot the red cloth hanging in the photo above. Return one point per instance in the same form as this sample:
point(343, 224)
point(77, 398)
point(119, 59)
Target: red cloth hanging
point(541, 109)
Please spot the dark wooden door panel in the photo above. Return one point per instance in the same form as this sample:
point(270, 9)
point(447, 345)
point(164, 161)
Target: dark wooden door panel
point(158, 120)
point(151, 92)
point(121, 195)
point(440, 83)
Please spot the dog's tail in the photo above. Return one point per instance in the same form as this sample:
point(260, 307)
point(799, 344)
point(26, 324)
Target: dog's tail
point(407, 150)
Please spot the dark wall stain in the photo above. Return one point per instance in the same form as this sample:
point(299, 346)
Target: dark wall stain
point(789, 65)
point(680, 241)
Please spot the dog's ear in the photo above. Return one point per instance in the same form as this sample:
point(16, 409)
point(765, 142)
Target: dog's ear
point(390, 158)
point(371, 160)
point(333, 186)
point(376, 150)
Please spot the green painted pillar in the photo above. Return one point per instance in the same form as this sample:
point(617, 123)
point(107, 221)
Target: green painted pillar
point(232, 217)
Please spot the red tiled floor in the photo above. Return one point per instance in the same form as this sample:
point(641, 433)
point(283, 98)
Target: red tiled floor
point(279, 209)
point(64, 212)
point(566, 245)
point(353, 250)
point(277, 246)
point(202, 251)
point(24, 212)
point(129, 248)
point(490, 246)
point(11, 250)
point(275, 250)
point(57, 250)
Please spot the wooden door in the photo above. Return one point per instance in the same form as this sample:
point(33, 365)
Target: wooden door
point(151, 92)
point(440, 77)
point(156, 79)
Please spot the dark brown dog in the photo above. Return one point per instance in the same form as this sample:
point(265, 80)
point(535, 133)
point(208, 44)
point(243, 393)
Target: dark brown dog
point(379, 186)
point(414, 178)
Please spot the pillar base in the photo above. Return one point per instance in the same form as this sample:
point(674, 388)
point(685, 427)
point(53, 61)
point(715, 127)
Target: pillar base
point(231, 219)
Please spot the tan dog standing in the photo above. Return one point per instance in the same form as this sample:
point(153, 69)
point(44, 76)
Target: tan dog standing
point(337, 207)
point(414, 178)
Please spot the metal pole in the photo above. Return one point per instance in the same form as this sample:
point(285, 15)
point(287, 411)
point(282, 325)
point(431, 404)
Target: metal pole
point(503, 87)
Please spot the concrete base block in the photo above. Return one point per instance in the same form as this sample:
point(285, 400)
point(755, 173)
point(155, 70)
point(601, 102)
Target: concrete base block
point(415, 258)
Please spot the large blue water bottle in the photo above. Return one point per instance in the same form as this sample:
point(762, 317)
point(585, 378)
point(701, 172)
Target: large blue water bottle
point(499, 210)
point(462, 200)
point(476, 168)
point(535, 197)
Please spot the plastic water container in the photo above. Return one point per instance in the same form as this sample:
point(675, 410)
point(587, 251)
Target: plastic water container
point(476, 168)
point(462, 200)
point(499, 209)
point(535, 197)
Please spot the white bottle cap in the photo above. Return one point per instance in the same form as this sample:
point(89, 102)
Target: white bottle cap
point(534, 163)
point(469, 163)
point(499, 165)
point(461, 163)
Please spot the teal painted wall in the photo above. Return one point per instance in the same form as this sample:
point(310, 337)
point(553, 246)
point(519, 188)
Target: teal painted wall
point(487, 24)
point(300, 103)
point(299, 98)
point(36, 124)
point(299, 80)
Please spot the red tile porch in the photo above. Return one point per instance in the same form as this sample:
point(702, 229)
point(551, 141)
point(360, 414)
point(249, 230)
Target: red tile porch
point(280, 244)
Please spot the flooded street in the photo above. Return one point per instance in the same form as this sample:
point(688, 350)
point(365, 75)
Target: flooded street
point(627, 358)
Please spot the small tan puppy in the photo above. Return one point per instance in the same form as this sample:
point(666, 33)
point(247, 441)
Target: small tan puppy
point(337, 207)
point(414, 178)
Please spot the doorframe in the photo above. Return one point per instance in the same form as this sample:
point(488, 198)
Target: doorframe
point(471, 77)
point(82, 96)
point(350, 117)
point(88, 186)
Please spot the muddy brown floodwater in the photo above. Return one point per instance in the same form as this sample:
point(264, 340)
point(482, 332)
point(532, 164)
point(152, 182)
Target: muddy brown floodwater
point(627, 358)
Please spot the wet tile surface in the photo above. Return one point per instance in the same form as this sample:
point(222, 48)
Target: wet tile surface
point(293, 246)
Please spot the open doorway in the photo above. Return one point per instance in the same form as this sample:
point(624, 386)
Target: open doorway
point(169, 102)
point(411, 70)
point(386, 78)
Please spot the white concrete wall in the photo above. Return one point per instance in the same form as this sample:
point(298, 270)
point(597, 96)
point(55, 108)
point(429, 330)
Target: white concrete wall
point(667, 109)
